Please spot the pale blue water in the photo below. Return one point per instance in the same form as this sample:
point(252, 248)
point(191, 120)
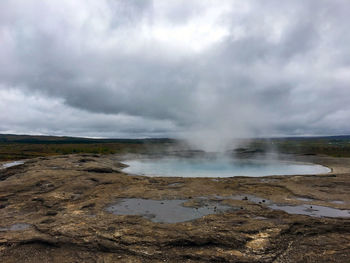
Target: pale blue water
point(219, 167)
point(10, 164)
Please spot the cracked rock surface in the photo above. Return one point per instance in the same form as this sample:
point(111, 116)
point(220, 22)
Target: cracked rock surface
point(54, 210)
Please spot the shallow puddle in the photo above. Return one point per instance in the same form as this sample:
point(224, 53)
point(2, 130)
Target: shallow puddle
point(338, 202)
point(304, 209)
point(174, 211)
point(165, 211)
point(260, 218)
point(251, 198)
point(312, 210)
point(304, 199)
point(175, 184)
point(10, 164)
point(16, 227)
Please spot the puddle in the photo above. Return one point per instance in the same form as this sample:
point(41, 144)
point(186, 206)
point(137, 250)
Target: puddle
point(166, 211)
point(304, 199)
point(338, 202)
point(304, 209)
point(264, 180)
point(176, 184)
point(251, 198)
point(174, 211)
point(314, 210)
point(16, 227)
point(260, 218)
point(10, 164)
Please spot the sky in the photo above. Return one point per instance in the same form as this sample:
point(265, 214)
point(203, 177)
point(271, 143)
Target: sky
point(195, 69)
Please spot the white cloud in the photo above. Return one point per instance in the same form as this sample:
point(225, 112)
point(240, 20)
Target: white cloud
point(35, 114)
point(167, 68)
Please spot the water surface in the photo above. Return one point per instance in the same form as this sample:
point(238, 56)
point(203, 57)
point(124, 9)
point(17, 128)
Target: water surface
point(302, 209)
point(165, 211)
point(219, 167)
point(10, 164)
point(15, 227)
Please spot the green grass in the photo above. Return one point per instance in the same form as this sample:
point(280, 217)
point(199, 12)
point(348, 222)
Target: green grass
point(15, 147)
point(331, 146)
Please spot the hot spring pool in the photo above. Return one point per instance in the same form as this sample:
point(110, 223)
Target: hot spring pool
point(219, 167)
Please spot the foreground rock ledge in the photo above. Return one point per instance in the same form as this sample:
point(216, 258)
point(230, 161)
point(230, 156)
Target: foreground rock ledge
point(53, 210)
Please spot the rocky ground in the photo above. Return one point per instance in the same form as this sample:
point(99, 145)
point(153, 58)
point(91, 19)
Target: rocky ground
point(54, 210)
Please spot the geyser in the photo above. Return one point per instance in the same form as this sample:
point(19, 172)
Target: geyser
point(219, 167)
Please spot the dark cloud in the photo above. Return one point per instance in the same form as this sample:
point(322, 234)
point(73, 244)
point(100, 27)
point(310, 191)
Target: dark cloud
point(175, 68)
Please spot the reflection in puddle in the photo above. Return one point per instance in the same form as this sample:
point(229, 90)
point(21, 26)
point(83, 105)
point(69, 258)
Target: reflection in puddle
point(10, 164)
point(16, 227)
point(165, 211)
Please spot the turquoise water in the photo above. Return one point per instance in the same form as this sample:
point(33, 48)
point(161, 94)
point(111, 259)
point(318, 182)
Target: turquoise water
point(219, 167)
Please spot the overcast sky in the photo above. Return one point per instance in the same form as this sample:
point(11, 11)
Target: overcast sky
point(170, 68)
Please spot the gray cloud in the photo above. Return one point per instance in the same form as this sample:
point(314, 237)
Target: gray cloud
point(176, 68)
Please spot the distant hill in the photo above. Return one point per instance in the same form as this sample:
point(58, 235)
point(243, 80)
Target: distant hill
point(15, 147)
point(42, 139)
point(331, 137)
point(45, 139)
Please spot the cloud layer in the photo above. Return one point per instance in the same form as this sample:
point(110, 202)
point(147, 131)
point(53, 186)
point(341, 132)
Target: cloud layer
point(194, 69)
